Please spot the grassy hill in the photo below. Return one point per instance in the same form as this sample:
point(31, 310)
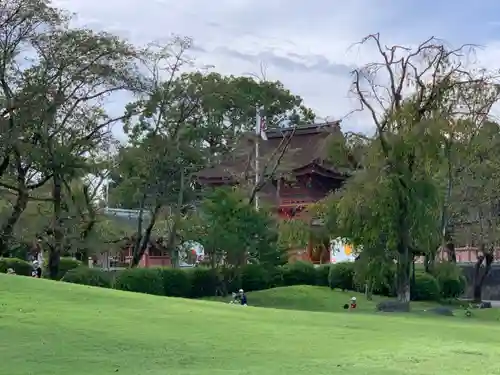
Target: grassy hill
point(51, 328)
point(314, 298)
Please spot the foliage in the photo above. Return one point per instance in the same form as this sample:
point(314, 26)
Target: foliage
point(254, 277)
point(140, 280)
point(322, 274)
point(176, 282)
point(397, 203)
point(66, 264)
point(341, 276)
point(21, 267)
point(89, 276)
point(377, 271)
point(299, 273)
point(451, 280)
point(204, 282)
point(426, 288)
point(232, 231)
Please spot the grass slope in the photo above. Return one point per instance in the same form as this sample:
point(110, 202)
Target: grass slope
point(323, 299)
point(51, 328)
point(314, 298)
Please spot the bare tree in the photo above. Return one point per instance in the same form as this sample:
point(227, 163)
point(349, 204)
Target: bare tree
point(407, 91)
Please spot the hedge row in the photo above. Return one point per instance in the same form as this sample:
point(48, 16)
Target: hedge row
point(24, 268)
point(199, 282)
point(447, 282)
point(20, 267)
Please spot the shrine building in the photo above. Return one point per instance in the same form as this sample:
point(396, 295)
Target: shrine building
point(304, 175)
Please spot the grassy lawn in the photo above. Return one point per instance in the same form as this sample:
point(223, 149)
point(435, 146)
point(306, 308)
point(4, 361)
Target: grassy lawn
point(49, 328)
point(322, 299)
point(313, 298)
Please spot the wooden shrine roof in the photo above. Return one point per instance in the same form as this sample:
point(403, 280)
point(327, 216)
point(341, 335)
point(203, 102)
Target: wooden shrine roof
point(307, 152)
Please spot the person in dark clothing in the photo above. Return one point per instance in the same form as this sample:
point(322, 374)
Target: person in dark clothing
point(243, 297)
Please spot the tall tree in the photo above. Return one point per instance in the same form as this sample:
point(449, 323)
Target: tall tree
point(56, 103)
point(164, 139)
point(406, 93)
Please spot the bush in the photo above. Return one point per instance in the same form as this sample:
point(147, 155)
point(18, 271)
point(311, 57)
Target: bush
point(89, 276)
point(65, 264)
point(299, 273)
point(21, 267)
point(341, 276)
point(450, 278)
point(204, 281)
point(322, 273)
point(140, 280)
point(176, 282)
point(276, 277)
point(385, 284)
point(426, 288)
point(255, 277)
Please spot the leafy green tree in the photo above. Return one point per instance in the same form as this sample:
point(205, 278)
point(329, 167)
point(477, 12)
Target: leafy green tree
point(474, 207)
point(55, 118)
point(232, 232)
point(409, 94)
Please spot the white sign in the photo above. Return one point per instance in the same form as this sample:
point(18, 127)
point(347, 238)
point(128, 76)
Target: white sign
point(341, 251)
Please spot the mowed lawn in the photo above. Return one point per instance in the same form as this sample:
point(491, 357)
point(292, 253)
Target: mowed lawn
point(50, 328)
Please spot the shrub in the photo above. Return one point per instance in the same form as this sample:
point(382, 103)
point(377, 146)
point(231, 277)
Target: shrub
point(322, 273)
point(341, 276)
point(426, 288)
point(450, 278)
point(176, 282)
point(65, 264)
point(89, 276)
point(230, 279)
point(140, 280)
point(204, 282)
point(299, 273)
point(255, 277)
point(385, 284)
point(21, 267)
point(276, 277)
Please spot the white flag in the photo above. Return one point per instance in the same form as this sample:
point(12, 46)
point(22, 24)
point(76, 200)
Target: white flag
point(260, 124)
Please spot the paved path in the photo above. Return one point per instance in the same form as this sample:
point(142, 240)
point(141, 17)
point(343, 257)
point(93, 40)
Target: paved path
point(495, 304)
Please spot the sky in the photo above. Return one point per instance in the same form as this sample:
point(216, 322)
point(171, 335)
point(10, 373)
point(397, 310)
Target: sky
point(307, 45)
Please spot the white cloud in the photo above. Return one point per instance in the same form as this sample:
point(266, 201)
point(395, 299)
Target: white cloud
point(308, 45)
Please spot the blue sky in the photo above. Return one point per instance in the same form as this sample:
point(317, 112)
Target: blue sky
point(305, 44)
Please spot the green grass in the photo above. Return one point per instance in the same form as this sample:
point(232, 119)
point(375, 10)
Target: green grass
point(322, 299)
point(313, 298)
point(51, 328)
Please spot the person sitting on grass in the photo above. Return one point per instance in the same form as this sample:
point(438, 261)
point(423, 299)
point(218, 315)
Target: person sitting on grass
point(242, 297)
point(353, 303)
point(37, 270)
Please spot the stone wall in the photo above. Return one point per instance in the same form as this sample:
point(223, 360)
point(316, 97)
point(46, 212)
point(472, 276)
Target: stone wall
point(491, 288)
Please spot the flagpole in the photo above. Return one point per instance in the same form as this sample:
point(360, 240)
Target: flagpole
point(257, 155)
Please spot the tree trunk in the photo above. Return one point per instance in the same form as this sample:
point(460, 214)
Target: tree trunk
point(8, 228)
point(144, 239)
point(404, 260)
point(480, 277)
point(58, 236)
point(403, 279)
point(449, 246)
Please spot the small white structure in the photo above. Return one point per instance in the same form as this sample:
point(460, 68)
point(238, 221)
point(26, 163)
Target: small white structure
point(194, 248)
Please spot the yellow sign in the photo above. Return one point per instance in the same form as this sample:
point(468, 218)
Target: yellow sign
point(347, 249)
